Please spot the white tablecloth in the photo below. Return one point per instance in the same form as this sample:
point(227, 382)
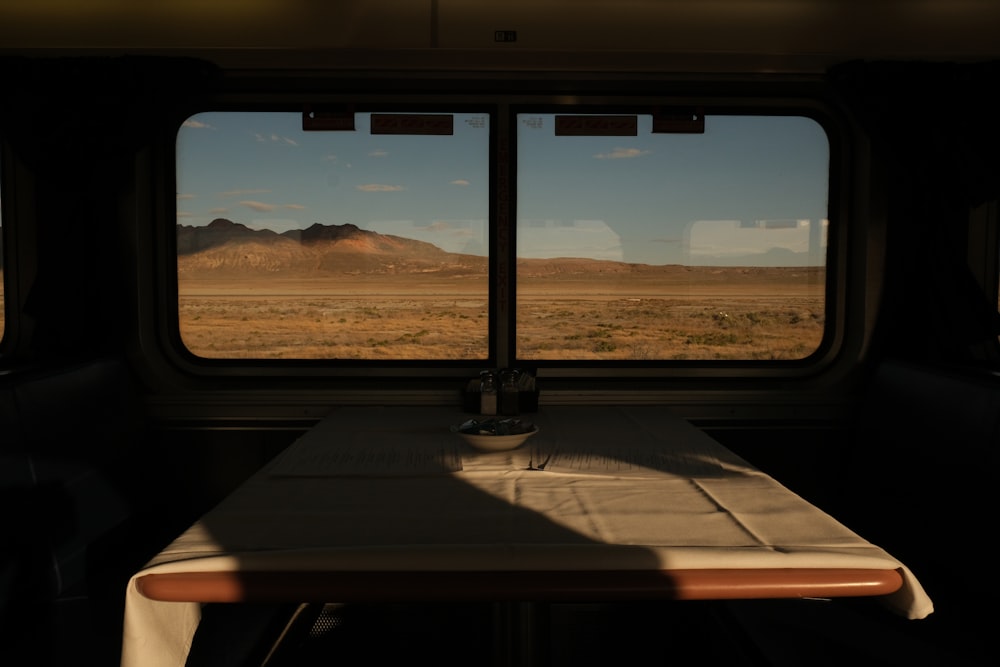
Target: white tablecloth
point(392, 489)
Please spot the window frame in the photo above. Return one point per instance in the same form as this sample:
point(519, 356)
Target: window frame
point(503, 105)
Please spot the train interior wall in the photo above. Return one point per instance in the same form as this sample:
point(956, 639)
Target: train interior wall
point(95, 484)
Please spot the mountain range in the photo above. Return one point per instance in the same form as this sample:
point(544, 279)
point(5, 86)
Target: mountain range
point(226, 248)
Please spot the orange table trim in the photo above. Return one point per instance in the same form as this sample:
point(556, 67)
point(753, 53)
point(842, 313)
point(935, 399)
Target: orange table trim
point(346, 586)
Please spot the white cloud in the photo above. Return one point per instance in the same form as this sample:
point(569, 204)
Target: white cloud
point(622, 153)
point(379, 187)
point(258, 206)
point(275, 139)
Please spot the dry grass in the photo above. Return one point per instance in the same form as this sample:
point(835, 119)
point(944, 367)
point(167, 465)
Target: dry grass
point(334, 327)
point(759, 316)
point(656, 329)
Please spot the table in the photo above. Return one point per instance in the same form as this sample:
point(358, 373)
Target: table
point(604, 503)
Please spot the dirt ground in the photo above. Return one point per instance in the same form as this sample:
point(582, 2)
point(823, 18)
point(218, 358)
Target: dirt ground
point(721, 314)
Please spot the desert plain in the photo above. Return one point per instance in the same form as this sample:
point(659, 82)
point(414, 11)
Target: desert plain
point(656, 314)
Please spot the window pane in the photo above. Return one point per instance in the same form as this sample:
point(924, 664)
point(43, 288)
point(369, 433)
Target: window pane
point(333, 244)
point(672, 246)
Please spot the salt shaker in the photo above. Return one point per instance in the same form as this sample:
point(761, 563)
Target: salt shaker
point(487, 393)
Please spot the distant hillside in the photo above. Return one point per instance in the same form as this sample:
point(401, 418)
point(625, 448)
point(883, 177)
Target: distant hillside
point(225, 248)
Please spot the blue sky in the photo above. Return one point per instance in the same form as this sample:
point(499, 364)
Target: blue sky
point(748, 186)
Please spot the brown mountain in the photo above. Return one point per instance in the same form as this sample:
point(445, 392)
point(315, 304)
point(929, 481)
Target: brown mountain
point(226, 247)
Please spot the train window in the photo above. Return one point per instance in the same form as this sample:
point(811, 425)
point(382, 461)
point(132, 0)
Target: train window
point(608, 239)
point(367, 242)
point(639, 242)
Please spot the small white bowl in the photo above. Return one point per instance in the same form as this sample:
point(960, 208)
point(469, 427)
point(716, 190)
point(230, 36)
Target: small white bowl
point(497, 443)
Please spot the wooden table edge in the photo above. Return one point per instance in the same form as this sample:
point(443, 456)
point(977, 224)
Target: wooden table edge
point(350, 586)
